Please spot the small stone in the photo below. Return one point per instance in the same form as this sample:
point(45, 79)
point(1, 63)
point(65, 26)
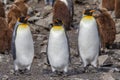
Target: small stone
point(1, 59)
point(7, 60)
point(114, 70)
point(106, 76)
point(43, 49)
point(48, 7)
point(36, 1)
point(45, 66)
point(117, 38)
point(51, 78)
point(45, 22)
point(117, 24)
point(5, 77)
point(41, 37)
point(11, 71)
point(45, 41)
point(116, 55)
point(77, 79)
point(34, 18)
point(74, 52)
point(39, 64)
point(102, 59)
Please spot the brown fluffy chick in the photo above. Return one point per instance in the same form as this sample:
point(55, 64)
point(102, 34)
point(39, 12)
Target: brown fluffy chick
point(106, 28)
point(63, 10)
point(16, 10)
point(117, 8)
point(21, 0)
point(2, 11)
point(108, 4)
point(5, 37)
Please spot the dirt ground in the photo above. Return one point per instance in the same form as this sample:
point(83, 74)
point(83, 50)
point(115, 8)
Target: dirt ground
point(39, 69)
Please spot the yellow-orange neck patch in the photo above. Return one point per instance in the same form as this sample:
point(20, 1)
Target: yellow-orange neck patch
point(23, 26)
point(88, 17)
point(57, 28)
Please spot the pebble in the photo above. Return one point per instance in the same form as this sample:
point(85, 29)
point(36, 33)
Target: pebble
point(11, 71)
point(5, 77)
point(106, 76)
point(43, 49)
point(1, 59)
point(102, 59)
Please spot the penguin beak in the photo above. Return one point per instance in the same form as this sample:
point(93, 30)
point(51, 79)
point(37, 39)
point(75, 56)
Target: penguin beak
point(27, 17)
point(92, 11)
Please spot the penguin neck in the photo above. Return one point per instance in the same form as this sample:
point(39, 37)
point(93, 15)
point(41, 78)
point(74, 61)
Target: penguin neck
point(23, 25)
point(88, 17)
point(57, 28)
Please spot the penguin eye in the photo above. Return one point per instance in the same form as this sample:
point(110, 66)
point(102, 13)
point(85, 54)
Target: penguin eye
point(60, 22)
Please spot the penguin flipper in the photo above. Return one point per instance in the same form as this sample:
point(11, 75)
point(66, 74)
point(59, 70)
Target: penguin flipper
point(68, 48)
point(47, 54)
point(13, 47)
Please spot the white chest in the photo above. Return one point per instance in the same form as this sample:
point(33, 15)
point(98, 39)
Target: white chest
point(24, 46)
point(58, 51)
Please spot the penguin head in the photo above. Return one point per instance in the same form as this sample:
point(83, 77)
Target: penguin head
point(57, 24)
point(23, 19)
point(88, 12)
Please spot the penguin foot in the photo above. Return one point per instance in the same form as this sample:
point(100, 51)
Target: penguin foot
point(21, 71)
point(86, 70)
point(27, 72)
point(54, 74)
point(95, 70)
point(65, 74)
point(16, 73)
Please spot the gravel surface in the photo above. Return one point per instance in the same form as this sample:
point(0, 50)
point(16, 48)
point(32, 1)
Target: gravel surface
point(109, 62)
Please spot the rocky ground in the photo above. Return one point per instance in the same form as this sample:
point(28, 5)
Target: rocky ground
point(109, 62)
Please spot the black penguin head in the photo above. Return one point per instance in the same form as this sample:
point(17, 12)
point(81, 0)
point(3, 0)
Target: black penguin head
point(57, 22)
point(88, 12)
point(23, 19)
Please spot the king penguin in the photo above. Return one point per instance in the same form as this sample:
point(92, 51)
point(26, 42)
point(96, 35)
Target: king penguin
point(22, 45)
point(58, 48)
point(88, 40)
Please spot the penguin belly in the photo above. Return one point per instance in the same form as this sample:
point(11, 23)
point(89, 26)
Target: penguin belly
point(24, 47)
point(58, 52)
point(88, 41)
